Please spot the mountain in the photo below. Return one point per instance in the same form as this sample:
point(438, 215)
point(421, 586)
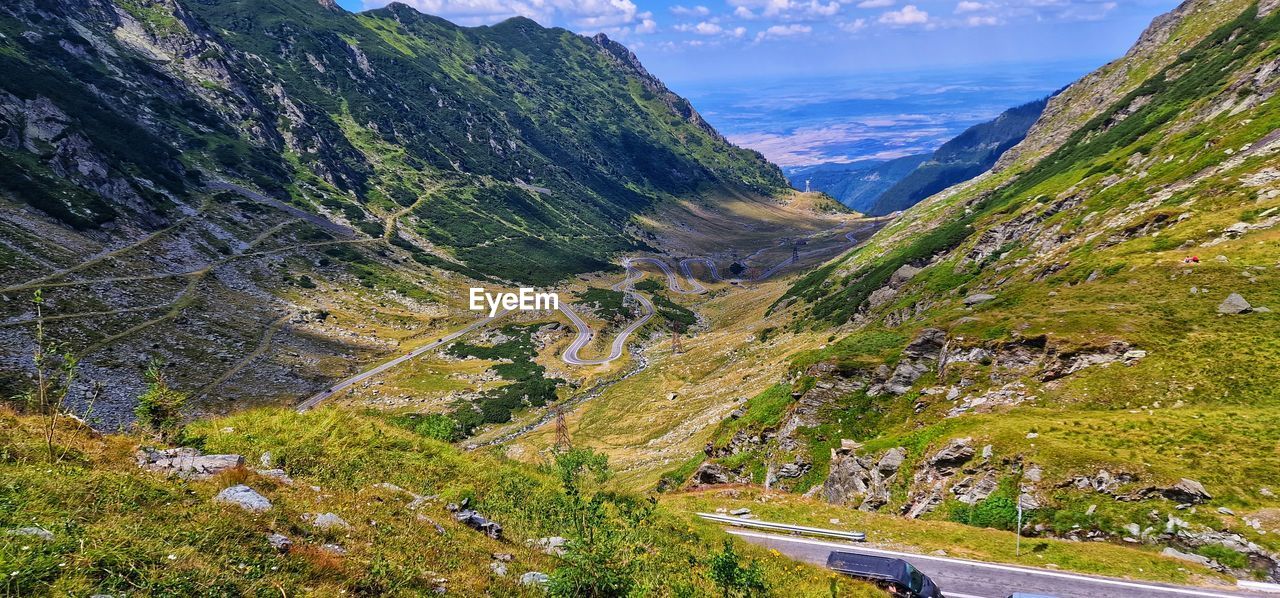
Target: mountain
point(883, 187)
point(1087, 332)
point(265, 195)
point(968, 155)
point(859, 184)
point(514, 149)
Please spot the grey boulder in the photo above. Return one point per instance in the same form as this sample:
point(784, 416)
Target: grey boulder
point(244, 497)
point(1234, 304)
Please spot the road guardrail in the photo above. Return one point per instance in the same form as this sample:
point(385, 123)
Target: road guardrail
point(783, 527)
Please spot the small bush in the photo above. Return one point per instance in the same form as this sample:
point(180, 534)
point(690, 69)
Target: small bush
point(160, 407)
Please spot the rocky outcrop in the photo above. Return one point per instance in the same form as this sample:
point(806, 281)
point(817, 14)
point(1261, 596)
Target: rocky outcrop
point(1234, 304)
point(710, 474)
point(1186, 491)
point(862, 481)
point(1104, 482)
point(186, 463)
point(929, 481)
point(474, 520)
point(922, 355)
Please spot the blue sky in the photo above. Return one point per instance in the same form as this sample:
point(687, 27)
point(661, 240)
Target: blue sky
point(818, 81)
point(731, 40)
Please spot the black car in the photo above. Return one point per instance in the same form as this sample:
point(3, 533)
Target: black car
point(895, 575)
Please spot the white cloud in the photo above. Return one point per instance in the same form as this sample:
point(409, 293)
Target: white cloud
point(909, 15)
point(1085, 11)
point(707, 28)
point(980, 21)
point(971, 6)
point(585, 15)
point(743, 12)
point(787, 10)
point(777, 31)
point(686, 11)
point(853, 26)
point(875, 3)
point(711, 28)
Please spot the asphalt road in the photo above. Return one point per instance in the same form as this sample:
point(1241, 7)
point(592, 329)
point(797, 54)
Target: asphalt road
point(673, 281)
point(585, 333)
point(972, 579)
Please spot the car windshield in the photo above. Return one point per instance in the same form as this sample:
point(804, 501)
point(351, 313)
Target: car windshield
point(916, 578)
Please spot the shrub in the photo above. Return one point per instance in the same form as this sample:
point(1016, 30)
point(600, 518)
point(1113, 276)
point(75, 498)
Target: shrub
point(160, 407)
point(732, 577)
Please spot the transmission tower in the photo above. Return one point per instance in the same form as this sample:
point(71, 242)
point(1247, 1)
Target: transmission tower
point(676, 348)
point(795, 252)
point(562, 431)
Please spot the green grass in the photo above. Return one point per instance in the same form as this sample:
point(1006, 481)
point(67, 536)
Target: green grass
point(761, 411)
point(529, 386)
point(118, 529)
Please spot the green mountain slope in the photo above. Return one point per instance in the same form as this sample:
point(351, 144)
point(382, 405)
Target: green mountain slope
point(1087, 331)
point(969, 154)
point(515, 149)
point(267, 196)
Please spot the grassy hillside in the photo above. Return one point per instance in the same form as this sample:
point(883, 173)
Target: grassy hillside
point(115, 528)
point(1063, 325)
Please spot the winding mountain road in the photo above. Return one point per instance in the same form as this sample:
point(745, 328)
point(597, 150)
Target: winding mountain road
point(585, 334)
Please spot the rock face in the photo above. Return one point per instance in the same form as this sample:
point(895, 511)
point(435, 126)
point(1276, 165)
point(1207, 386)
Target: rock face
point(920, 356)
point(186, 463)
point(977, 298)
point(244, 497)
point(1234, 304)
point(929, 481)
point(954, 454)
point(864, 482)
point(710, 474)
point(1186, 491)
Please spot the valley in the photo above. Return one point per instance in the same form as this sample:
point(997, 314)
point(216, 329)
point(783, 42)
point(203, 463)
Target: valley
point(242, 353)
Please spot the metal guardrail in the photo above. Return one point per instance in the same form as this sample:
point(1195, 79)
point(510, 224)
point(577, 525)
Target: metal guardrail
point(783, 527)
point(1256, 586)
